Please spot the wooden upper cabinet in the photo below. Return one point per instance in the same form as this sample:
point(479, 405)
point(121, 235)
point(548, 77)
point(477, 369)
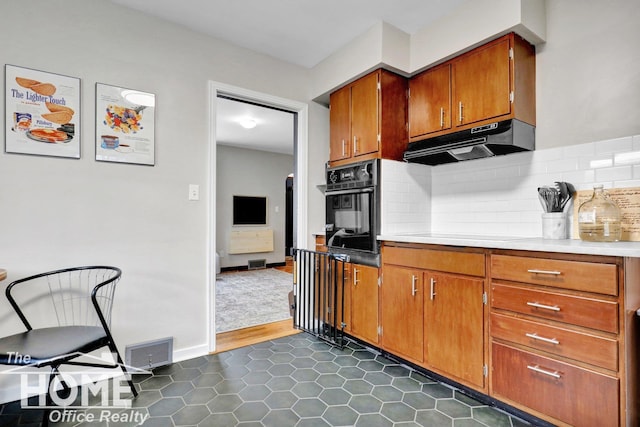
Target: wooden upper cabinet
point(364, 115)
point(481, 83)
point(340, 119)
point(368, 119)
point(430, 101)
point(493, 82)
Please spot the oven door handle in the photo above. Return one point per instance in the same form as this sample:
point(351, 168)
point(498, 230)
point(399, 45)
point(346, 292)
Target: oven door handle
point(350, 191)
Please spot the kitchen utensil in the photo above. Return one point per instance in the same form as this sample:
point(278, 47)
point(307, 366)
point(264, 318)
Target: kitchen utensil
point(554, 198)
point(566, 192)
point(549, 198)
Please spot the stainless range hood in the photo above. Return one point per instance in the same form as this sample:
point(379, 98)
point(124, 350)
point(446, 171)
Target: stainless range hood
point(494, 139)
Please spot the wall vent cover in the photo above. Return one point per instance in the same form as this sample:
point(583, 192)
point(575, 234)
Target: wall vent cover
point(149, 354)
point(255, 264)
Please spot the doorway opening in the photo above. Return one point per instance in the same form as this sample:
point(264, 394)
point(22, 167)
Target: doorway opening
point(298, 181)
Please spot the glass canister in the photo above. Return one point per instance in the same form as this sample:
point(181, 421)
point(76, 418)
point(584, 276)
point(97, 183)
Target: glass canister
point(599, 218)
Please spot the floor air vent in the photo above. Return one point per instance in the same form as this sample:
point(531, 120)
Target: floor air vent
point(150, 354)
point(255, 264)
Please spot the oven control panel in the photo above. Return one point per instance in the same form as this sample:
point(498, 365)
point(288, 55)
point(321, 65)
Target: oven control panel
point(355, 175)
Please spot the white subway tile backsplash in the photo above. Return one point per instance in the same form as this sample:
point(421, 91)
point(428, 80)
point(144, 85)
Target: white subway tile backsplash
point(498, 196)
point(614, 174)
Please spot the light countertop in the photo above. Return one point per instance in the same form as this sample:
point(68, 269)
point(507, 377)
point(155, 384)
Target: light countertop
point(573, 246)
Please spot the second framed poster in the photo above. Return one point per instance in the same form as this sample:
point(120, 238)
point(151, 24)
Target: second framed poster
point(125, 125)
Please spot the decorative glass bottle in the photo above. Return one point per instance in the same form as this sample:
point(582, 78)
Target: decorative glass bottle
point(599, 218)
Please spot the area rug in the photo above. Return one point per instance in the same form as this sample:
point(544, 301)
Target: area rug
point(253, 297)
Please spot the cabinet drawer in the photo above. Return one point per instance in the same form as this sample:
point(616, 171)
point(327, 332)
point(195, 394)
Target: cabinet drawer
point(574, 395)
point(471, 264)
point(576, 275)
point(599, 351)
point(576, 310)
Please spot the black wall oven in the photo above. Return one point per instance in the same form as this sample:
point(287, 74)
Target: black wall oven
point(352, 211)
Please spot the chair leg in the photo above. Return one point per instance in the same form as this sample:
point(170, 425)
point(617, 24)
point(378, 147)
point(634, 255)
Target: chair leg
point(114, 350)
point(49, 401)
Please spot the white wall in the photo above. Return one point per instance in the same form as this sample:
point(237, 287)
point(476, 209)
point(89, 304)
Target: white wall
point(61, 212)
point(588, 72)
point(251, 173)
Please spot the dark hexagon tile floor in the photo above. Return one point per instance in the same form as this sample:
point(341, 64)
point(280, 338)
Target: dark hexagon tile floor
point(296, 381)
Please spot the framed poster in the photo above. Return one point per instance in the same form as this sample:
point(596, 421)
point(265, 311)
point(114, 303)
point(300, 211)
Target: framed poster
point(42, 113)
point(125, 125)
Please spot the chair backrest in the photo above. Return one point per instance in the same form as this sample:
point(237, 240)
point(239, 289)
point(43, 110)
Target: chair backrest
point(71, 296)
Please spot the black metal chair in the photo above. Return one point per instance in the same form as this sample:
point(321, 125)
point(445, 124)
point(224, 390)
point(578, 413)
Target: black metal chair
point(69, 314)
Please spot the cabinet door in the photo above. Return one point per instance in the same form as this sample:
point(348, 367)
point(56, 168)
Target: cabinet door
point(332, 303)
point(430, 101)
point(364, 303)
point(340, 124)
point(344, 296)
point(481, 84)
point(364, 115)
point(454, 331)
point(402, 312)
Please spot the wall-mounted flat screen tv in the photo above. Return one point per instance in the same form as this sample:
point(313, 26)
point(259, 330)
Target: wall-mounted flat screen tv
point(248, 210)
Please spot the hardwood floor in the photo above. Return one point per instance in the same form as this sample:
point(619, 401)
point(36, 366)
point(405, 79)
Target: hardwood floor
point(255, 334)
point(288, 267)
point(260, 333)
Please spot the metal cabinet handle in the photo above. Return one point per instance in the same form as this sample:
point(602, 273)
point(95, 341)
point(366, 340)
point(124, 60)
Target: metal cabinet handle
point(355, 277)
point(551, 272)
point(543, 306)
point(539, 338)
point(432, 294)
point(355, 144)
point(538, 369)
point(460, 111)
point(441, 117)
point(344, 151)
point(414, 289)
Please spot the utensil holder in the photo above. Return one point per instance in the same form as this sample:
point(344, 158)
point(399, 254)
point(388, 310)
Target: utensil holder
point(554, 225)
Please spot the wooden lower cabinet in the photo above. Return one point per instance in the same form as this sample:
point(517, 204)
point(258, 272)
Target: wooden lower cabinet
point(571, 394)
point(563, 339)
point(402, 312)
point(454, 327)
point(353, 306)
point(435, 318)
point(364, 303)
point(552, 334)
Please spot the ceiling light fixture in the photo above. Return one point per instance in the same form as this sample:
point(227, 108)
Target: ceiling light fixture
point(248, 123)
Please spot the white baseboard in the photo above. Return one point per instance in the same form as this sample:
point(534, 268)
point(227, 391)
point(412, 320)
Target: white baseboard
point(190, 352)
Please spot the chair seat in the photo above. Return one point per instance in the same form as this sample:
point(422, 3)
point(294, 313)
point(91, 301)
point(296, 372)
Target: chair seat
point(46, 343)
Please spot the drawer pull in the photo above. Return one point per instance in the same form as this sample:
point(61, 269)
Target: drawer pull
point(539, 338)
point(550, 272)
point(538, 369)
point(414, 289)
point(545, 307)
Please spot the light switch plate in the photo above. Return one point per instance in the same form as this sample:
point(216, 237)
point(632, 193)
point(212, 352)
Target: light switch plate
point(194, 192)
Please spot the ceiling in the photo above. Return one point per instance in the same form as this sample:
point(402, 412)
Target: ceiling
point(302, 32)
point(273, 132)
